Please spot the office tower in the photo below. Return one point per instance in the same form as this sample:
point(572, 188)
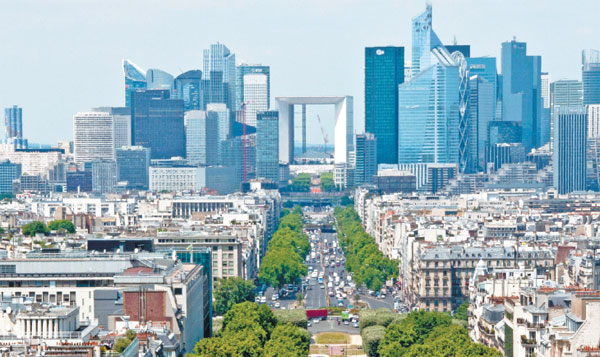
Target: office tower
point(365, 158)
point(8, 173)
point(231, 155)
point(267, 145)
point(224, 119)
point(122, 121)
point(566, 92)
point(465, 50)
point(521, 91)
point(593, 120)
point(570, 145)
point(79, 181)
point(244, 69)
point(157, 123)
point(481, 112)
point(159, 79)
point(505, 153)
point(188, 87)
point(546, 120)
point(255, 96)
point(218, 82)
point(104, 175)
point(504, 132)
point(13, 126)
point(485, 67)
point(545, 89)
point(590, 74)
point(202, 137)
point(384, 72)
point(93, 137)
point(133, 163)
point(135, 78)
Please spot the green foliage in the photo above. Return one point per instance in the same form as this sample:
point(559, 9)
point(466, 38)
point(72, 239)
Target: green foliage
point(231, 291)
point(123, 342)
point(62, 224)
point(295, 317)
point(430, 333)
point(251, 330)
point(33, 228)
point(298, 211)
point(284, 261)
point(284, 212)
point(327, 184)
point(301, 183)
point(381, 317)
point(363, 257)
point(461, 311)
point(372, 337)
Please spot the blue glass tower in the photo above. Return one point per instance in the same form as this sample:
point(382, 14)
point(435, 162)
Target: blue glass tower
point(591, 76)
point(188, 87)
point(157, 123)
point(365, 158)
point(570, 149)
point(8, 173)
point(219, 76)
point(267, 145)
point(521, 91)
point(135, 78)
point(244, 69)
point(159, 79)
point(384, 72)
point(133, 165)
point(481, 112)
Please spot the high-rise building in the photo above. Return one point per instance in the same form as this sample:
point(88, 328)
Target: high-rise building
point(13, 127)
point(244, 69)
point(428, 104)
point(590, 74)
point(365, 158)
point(521, 91)
point(593, 120)
point(566, 92)
point(122, 121)
point(8, 173)
point(504, 132)
point(255, 96)
point(384, 72)
point(570, 149)
point(231, 155)
point(104, 175)
point(218, 82)
point(79, 181)
point(267, 145)
point(465, 50)
point(135, 79)
point(159, 79)
point(93, 137)
point(485, 67)
point(133, 163)
point(224, 119)
point(188, 87)
point(481, 112)
point(546, 80)
point(157, 123)
point(202, 137)
point(546, 121)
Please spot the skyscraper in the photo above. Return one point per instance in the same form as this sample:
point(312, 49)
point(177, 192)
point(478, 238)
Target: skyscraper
point(135, 78)
point(157, 123)
point(481, 112)
point(591, 76)
point(566, 92)
point(104, 175)
point(133, 163)
point(8, 173)
point(593, 120)
point(122, 121)
point(384, 72)
point(267, 145)
point(521, 91)
point(546, 121)
point(485, 67)
point(13, 127)
point(202, 137)
point(159, 79)
point(365, 158)
point(188, 87)
point(240, 72)
point(570, 146)
point(93, 137)
point(219, 76)
point(255, 96)
point(428, 125)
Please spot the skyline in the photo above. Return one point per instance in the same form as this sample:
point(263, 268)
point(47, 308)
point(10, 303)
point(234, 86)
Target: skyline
point(75, 60)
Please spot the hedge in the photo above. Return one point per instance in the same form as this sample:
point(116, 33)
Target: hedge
point(380, 317)
point(371, 337)
point(296, 317)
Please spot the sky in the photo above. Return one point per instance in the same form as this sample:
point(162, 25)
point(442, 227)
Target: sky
point(60, 57)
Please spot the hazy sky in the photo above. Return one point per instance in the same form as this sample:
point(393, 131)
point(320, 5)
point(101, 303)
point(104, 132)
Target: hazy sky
point(59, 57)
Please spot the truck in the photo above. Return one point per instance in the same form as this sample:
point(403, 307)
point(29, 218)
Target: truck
point(316, 314)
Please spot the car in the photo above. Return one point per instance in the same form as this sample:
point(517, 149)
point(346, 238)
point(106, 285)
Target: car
point(355, 324)
point(322, 286)
point(315, 321)
point(263, 299)
point(346, 322)
point(274, 297)
point(340, 304)
point(277, 305)
point(308, 324)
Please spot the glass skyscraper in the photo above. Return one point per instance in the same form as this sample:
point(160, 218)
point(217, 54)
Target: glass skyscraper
point(591, 76)
point(365, 158)
point(8, 173)
point(521, 91)
point(267, 145)
point(133, 165)
point(157, 123)
point(202, 137)
point(218, 82)
point(159, 79)
point(188, 87)
point(384, 72)
point(255, 96)
point(570, 149)
point(135, 78)
point(428, 104)
point(13, 127)
point(245, 69)
point(481, 112)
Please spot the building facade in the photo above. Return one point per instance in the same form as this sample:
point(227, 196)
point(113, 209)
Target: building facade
point(365, 158)
point(135, 79)
point(202, 137)
point(133, 165)
point(267, 145)
point(93, 137)
point(590, 73)
point(570, 149)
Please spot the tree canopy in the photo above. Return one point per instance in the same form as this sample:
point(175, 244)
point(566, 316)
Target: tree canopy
point(231, 291)
point(63, 224)
point(35, 227)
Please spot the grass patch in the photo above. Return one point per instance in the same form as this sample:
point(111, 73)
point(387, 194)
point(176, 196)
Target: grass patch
point(333, 338)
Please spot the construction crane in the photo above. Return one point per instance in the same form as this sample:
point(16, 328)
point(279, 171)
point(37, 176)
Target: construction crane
point(325, 138)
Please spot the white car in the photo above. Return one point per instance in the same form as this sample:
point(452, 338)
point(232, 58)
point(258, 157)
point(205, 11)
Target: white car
point(277, 305)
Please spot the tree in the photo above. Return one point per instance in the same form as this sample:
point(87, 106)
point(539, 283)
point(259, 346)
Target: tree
point(288, 337)
point(213, 347)
point(461, 312)
point(281, 266)
point(64, 224)
point(33, 228)
point(231, 291)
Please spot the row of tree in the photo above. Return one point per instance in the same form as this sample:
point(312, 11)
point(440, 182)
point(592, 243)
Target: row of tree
point(59, 225)
point(363, 257)
point(284, 261)
point(253, 330)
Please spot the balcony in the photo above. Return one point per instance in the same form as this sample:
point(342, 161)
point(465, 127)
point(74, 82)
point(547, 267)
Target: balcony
point(535, 326)
point(528, 342)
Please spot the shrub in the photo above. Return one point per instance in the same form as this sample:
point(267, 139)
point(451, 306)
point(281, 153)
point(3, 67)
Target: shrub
point(296, 317)
point(371, 337)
